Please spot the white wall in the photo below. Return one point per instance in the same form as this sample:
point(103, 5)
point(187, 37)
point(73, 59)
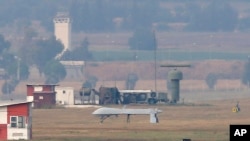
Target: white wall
point(30, 98)
point(63, 31)
point(65, 95)
point(17, 133)
point(3, 115)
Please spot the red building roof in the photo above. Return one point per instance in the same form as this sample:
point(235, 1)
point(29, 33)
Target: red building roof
point(14, 102)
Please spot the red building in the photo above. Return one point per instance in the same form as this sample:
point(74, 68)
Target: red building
point(15, 120)
point(42, 95)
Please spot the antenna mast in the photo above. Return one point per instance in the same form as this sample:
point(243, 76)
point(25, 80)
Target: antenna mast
point(155, 48)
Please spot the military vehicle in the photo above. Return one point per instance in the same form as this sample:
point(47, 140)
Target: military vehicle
point(142, 96)
point(109, 95)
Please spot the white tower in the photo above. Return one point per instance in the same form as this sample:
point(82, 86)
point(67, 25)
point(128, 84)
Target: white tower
point(62, 31)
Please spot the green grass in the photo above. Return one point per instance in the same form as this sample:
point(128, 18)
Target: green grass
point(179, 55)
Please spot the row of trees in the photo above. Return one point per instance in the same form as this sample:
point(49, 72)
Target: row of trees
point(111, 15)
point(212, 78)
point(44, 52)
point(131, 80)
point(11, 68)
point(40, 53)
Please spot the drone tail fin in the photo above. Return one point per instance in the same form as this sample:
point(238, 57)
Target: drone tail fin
point(154, 118)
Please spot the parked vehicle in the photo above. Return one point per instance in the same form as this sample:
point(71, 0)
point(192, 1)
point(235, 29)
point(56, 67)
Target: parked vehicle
point(142, 96)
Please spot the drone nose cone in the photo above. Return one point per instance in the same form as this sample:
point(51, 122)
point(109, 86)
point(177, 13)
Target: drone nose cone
point(96, 112)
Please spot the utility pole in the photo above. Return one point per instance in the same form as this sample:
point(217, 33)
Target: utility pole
point(155, 60)
point(18, 67)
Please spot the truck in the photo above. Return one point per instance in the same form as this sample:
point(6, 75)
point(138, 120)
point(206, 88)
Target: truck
point(142, 96)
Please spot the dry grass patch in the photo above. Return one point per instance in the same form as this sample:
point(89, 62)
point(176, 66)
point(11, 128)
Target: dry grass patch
point(200, 122)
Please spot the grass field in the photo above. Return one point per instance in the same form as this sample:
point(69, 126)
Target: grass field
point(179, 46)
point(207, 120)
point(177, 55)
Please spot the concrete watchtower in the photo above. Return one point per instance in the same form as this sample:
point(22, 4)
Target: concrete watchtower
point(62, 31)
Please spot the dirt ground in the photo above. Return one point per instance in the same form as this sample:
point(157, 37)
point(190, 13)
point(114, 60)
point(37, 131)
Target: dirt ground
point(200, 121)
